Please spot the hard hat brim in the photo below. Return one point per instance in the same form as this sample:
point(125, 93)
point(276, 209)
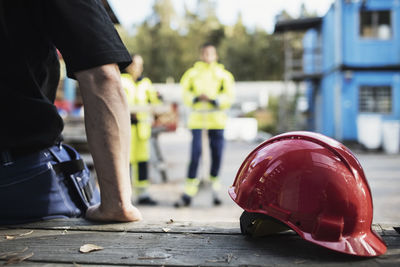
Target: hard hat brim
point(368, 244)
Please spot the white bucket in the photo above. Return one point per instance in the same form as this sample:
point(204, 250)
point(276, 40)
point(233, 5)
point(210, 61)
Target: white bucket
point(241, 129)
point(369, 128)
point(391, 136)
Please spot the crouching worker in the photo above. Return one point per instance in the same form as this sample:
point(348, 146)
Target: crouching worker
point(40, 178)
point(141, 95)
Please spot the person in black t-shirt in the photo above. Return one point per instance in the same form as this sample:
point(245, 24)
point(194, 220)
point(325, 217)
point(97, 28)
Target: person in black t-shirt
point(39, 177)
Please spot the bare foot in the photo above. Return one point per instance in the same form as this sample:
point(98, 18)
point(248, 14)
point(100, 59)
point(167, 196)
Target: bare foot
point(128, 214)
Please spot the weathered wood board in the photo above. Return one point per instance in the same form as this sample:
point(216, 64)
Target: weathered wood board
point(57, 243)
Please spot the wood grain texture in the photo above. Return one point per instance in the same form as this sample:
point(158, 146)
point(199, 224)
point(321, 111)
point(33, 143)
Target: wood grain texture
point(186, 244)
point(142, 226)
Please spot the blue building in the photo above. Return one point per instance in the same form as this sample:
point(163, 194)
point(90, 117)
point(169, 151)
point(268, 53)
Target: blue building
point(351, 67)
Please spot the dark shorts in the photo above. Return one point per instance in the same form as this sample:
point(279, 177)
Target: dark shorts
point(51, 183)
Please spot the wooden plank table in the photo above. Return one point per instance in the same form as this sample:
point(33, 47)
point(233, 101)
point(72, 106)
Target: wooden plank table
point(57, 243)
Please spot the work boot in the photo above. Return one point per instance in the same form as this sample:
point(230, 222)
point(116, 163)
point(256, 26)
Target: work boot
point(146, 200)
point(184, 201)
point(191, 187)
point(216, 187)
point(215, 184)
point(217, 201)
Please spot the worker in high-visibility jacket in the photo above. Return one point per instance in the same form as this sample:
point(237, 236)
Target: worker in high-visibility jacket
point(140, 94)
point(208, 90)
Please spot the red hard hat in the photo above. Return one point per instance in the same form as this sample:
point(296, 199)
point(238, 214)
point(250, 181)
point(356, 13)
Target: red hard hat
point(314, 185)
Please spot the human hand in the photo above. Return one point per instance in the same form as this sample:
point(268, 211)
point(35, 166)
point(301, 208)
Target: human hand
point(116, 214)
point(203, 97)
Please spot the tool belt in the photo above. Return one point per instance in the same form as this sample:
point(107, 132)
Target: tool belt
point(71, 169)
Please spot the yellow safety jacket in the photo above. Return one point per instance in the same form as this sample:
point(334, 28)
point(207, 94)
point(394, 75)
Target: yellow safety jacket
point(215, 82)
point(140, 94)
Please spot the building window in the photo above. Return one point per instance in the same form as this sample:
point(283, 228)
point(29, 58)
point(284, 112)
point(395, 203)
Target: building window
point(375, 99)
point(375, 24)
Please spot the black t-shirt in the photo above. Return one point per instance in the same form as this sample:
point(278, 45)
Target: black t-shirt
point(30, 31)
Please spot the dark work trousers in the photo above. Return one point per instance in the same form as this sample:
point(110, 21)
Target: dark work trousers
point(143, 171)
point(44, 185)
point(216, 139)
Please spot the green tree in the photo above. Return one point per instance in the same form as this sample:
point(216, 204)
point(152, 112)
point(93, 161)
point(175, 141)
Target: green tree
point(170, 43)
point(252, 56)
point(158, 43)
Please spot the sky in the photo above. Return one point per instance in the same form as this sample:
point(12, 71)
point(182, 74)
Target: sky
point(255, 13)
